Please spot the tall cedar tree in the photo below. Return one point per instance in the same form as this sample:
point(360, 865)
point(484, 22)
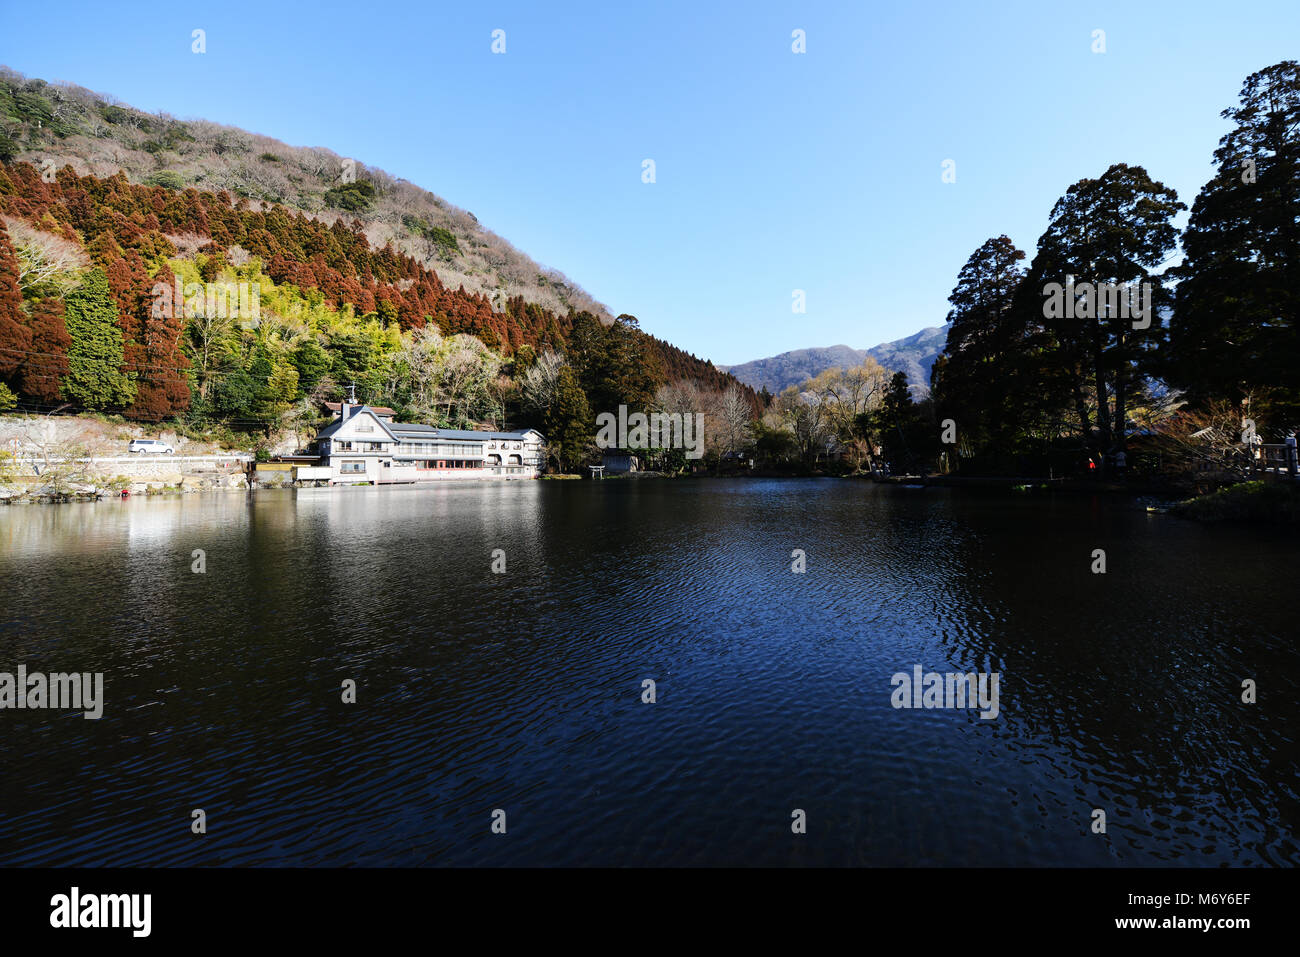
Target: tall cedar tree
point(95, 378)
point(616, 364)
point(1234, 329)
point(15, 336)
point(895, 410)
point(42, 374)
point(1114, 229)
point(162, 386)
point(568, 422)
point(972, 386)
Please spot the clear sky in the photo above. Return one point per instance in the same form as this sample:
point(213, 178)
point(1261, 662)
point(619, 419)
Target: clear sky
point(775, 171)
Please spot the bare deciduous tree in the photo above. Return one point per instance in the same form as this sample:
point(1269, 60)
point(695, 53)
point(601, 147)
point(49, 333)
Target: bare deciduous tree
point(807, 418)
point(44, 259)
point(444, 379)
point(847, 393)
point(541, 381)
point(733, 417)
point(62, 465)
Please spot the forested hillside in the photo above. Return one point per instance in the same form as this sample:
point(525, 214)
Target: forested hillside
point(164, 301)
point(96, 134)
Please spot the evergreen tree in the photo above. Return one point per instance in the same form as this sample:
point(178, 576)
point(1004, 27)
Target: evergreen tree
point(42, 373)
point(311, 361)
point(568, 424)
point(972, 384)
point(162, 386)
point(15, 336)
point(95, 378)
point(615, 364)
point(1234, 329)
point(898, 424)
point(1113, 230)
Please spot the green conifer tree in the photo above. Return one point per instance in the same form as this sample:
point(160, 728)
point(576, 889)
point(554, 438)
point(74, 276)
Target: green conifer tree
point(95, 376)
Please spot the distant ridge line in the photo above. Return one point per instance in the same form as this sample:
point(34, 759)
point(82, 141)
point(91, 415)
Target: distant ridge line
point(914, 355)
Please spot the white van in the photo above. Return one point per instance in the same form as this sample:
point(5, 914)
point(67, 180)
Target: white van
point(152, 446)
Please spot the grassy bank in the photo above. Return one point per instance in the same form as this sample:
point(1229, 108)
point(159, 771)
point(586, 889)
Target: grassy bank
point(1248, 502)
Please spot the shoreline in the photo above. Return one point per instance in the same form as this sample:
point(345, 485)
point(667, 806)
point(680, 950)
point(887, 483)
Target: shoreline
point(1247, 502)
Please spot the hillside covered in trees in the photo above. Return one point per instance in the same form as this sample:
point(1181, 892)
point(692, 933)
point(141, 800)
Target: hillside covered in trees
point(95, 134)
point(162, 301)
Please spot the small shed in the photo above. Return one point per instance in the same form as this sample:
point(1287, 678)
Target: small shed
point(619, 461)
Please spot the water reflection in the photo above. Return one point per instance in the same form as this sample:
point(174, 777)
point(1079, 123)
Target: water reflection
point(522, 690)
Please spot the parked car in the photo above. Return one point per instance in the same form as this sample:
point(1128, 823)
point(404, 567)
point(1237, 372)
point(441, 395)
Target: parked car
point(152, 446)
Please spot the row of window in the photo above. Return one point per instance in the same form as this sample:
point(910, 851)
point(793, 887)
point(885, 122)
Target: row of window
point(358, 466)
point(449, 464)
point(349, 446)
point(418, 448)
point(415, 448)
point(409, 448)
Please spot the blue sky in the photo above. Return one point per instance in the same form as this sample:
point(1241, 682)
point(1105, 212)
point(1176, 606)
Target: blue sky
point(775, 171)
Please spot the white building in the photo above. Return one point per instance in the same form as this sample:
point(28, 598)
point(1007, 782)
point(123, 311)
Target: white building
point(364, 444)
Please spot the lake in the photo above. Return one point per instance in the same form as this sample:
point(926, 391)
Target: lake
point(523, 691)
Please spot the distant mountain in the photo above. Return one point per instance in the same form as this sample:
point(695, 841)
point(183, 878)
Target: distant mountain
point(792, 368)
point(914, 355)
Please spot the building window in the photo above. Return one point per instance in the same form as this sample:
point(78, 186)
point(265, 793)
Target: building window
point(364, 428)
point(344, 446)
point(354, 466)
point(375, 446)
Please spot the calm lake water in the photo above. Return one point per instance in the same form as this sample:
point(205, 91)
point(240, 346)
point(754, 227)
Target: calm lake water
point(522, 691)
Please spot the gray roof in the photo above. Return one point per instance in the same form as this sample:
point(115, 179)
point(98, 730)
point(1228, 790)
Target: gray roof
point(334, 426)
point(400, 430)
point(429, 431)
